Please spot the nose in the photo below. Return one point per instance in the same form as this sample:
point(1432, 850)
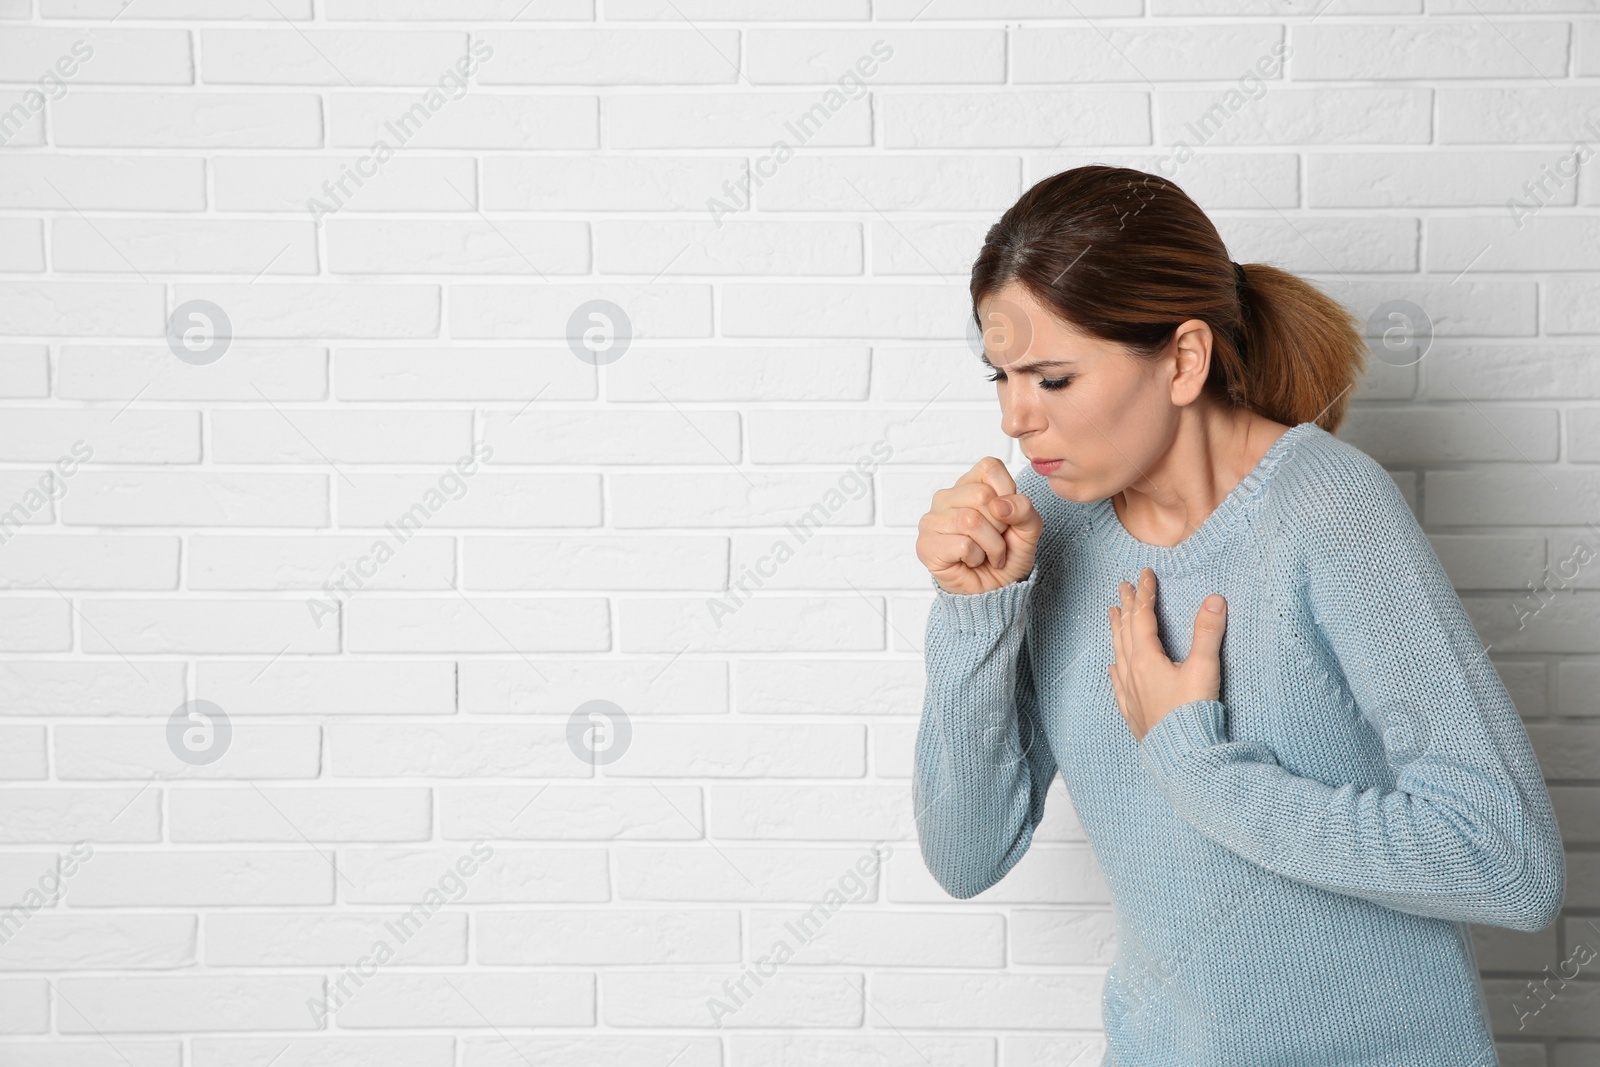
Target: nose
point(1020, 413)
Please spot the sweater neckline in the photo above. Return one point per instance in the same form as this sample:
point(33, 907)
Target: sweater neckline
point(1212, 533)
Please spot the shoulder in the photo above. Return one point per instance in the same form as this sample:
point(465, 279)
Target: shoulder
point(1332, 496)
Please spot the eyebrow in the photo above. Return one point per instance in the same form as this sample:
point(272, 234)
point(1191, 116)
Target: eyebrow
point(1023, 368)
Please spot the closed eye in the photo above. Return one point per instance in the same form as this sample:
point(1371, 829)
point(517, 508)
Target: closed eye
point(1044, 383)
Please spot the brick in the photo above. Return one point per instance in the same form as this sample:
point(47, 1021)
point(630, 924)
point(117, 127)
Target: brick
point(412, 1050)
point(54, 814)
point(451, 751)
point(509, 875)
point(292, 183)
point(294, 10)
point(106, 687)
point(188, 120)
point(1020, 1001)
point(621, 437)
point(133, 374)
point(329, 57)
point(501, 120)
point(24, 371)
point(100, 56)
point(183, 246)
point(743, 372)
point(1144, 52)
point(109, 942)
point(379, 246)
point(680, 999)
point(100, 436)
point(319, 813)
point(177, 625)
point(39, 561)
point(513, 500)
point(171, 498)
point(808, 812)
point(307, 563)
point(595, 562)
point(175, 1002)
point(142, 753)
point(484, 10)
point(608, 936)
point(299, 939)
point(322, 311)
point(291, 686)
point(740, 751)
point(615, 183)
point(728, 247)
point(570, 812)
point(1352, 51)
point(80, 309)
point(758, 498)
point(460, 373)
point(22, 753)
point(557, 998)
point(36, 624)
point(737, 873)
point(480, 624)
point(1030, 118)
point(209, 878)
point(517, 311)
point(290, 435)
point(708, 624)
point(1205, 118)
point(522, 686)
point(690, 56)
point(747, 119)
point(23, 251)
point(103, 183)
point(874, 937)
point(848, 59)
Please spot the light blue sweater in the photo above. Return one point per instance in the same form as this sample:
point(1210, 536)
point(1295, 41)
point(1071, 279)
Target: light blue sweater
point(1292, 866)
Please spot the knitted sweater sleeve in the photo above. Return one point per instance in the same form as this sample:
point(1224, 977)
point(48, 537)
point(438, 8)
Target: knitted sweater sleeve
point(982, 764)
point(1463, 829)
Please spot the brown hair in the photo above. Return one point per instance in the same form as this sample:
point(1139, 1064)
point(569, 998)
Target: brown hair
point(1126, 256)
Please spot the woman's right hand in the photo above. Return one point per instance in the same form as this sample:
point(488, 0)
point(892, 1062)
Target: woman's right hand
point(966, 542)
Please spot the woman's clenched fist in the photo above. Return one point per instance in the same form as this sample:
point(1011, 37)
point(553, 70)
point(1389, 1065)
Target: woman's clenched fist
point(980, 534)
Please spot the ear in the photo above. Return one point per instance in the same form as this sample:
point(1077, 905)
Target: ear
point(1192, 344)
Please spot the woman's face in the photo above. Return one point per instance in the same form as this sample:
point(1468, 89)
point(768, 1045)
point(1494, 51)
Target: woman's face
point(1106, 416)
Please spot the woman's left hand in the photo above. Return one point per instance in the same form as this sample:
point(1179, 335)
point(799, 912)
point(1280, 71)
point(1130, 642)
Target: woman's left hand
point(1146, 682)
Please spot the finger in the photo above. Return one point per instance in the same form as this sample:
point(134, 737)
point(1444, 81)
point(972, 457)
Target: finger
point(1143, 625)
point(992, 472)
point(982, 529)
point(1125, 615)
point(969, 550)
point(1019, 515)
point(973, 496)
point(1116, 633)
point(1208, 629)
point(970, 519)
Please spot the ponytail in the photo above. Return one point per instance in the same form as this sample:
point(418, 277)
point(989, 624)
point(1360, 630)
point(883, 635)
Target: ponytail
point(1303, 351)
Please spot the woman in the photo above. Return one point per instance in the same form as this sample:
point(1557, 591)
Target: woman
point(1298, 770)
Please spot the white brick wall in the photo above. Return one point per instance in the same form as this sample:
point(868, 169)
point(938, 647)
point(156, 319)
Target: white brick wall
point(399, 859)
